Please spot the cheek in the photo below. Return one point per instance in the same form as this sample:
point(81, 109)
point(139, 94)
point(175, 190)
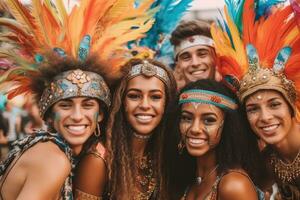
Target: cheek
point(57, 117)
point(252, 118)
point(183, 127)
point(96, 115)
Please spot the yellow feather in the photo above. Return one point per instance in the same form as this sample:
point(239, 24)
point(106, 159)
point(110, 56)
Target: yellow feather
point(124, 38)
point(20, 13)
point(240, 52)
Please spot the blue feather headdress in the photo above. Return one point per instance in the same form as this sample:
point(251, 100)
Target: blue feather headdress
point(158, 37)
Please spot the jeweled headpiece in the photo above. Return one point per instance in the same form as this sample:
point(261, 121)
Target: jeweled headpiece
point(148, 69)
point(207, 97)
point(262, 52)
point(74, 83)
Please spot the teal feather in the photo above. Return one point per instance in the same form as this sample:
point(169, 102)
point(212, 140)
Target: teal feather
point(84, 47)
point(281, 59)
point(262, 8)
point(166, 20)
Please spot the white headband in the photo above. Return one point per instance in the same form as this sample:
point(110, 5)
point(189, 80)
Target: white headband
point(193, 41)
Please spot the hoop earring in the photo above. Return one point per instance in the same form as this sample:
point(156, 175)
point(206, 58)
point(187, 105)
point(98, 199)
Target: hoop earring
point(181, 146)
point(97, 131)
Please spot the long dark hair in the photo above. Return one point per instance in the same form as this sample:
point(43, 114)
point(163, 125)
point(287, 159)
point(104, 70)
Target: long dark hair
point(119, 135)
point(238, 147)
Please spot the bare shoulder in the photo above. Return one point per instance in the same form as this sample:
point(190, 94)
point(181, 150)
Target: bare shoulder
point(47, 169)
point(91, 174)
point(46, 155)
point(236, 185)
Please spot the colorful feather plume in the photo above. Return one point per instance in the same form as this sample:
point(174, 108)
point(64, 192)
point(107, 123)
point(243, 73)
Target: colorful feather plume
point(166, 19)
point(269, 33)
point(102, 27)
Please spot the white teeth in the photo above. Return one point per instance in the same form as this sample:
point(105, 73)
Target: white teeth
point(270, 128)
point(198, 72)
point(196, 141)
point(76, 128)
point(144, 117)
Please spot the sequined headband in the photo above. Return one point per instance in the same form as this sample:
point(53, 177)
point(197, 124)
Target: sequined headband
point(193, 41)
point(207, 97)
point(74, 83)
point(147, 69)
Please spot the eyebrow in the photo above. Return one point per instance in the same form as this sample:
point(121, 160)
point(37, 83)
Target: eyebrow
point(138, 90)
point(253, 104)
point(204, 114)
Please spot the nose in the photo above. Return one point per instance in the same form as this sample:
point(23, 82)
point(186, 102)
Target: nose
point(76, 114)
point(265, 115)
point(196, 128)
point(145, 104)
point(195, 61)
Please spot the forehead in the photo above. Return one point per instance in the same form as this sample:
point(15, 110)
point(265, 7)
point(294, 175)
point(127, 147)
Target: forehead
point(202, 109)
point(143, 83)
point(196, 48)
point(262, 96)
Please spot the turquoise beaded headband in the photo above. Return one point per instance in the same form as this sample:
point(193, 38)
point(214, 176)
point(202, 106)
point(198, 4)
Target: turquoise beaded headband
point(207, 97)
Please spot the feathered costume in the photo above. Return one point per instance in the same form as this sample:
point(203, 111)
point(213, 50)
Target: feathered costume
point(92, 27)
point(258, 48)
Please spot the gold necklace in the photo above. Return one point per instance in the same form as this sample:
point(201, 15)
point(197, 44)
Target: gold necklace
point(286, 172)
point(145, 178)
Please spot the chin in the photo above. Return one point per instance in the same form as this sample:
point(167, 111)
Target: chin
point(195, 152)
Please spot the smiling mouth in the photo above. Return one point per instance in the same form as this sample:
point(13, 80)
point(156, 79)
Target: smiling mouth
point(144, 118)
point(76, 129)
point(269, 129)
point(196, 141)
point(198, 72)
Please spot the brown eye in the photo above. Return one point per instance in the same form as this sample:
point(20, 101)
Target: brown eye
point(209, 120)
point(252, 109)
point(185, 119)
point(133, 96)
point(156, 97)
point(275, 104)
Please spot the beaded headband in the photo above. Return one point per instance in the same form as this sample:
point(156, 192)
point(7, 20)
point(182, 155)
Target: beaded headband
point(193, 41)
point(207, 97)
point(74, 83)
point(147, 69)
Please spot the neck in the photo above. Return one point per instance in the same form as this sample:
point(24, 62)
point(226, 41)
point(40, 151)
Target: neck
point(206, 163)
point(138, 146)
point(77, 150)
point(290, 146)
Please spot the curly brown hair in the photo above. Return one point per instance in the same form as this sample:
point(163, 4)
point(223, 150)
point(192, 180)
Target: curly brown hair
point(119, 135)
point(190, 28)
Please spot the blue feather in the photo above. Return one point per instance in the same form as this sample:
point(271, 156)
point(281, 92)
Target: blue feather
point(84, 47)
point(262, 8)
point(166, 19)
point(235, 10)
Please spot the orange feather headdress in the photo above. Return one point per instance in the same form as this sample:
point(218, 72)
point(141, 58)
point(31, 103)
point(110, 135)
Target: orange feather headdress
point(101, 28)
point(262, 52)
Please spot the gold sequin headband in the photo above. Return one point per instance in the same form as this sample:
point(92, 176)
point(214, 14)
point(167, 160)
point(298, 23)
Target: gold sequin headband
point(147, 69)
point(207, 97)
point(74, 83)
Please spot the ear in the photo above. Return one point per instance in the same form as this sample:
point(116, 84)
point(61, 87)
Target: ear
point(100, 116)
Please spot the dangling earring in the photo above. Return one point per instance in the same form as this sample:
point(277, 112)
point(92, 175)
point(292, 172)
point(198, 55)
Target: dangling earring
point(181, 146)
point(97, 131)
